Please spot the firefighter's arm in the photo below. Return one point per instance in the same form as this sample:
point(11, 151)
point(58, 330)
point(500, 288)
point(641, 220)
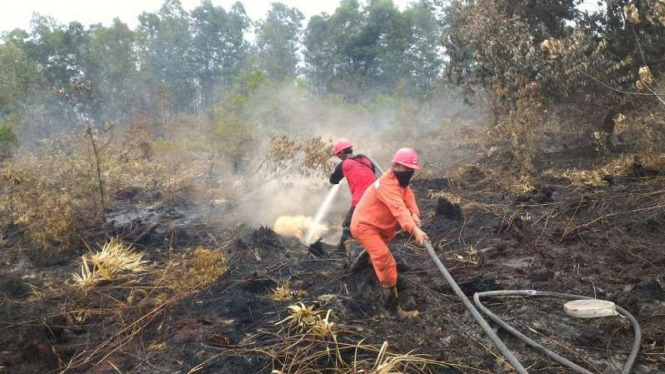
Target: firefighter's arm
point(410, 201)
point(337, 175)
point(391, 195)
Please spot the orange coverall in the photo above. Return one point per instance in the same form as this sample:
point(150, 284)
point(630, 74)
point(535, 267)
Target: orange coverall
point(383, 205)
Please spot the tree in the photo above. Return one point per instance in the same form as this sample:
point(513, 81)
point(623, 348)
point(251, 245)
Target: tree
point(233, 132)
point(165, 56)
point(112, 69)
point(218, 48)
point(423, 59)
point(333, 59)
point(57, 49)
point(373, 50)
point(58, 53)
point(19, 75)
point(278, 37)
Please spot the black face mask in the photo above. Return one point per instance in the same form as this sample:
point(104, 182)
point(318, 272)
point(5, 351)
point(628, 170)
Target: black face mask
point(404, 177)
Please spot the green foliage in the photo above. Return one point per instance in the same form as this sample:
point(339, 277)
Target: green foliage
point(373, 49)
point(234, 134)
point(277, 40)
point(8, 141)
point(178, 61)
point(167, 40)
point(218, 50)
point(19, 74)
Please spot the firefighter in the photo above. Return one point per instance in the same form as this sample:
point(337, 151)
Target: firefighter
point(387, 203)
point(359, 174)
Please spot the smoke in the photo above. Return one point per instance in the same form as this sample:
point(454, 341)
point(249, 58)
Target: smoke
point(288, 203)
point(376, 126)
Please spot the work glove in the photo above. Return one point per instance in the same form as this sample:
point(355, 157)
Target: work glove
point(416, 219)
point(420, 236)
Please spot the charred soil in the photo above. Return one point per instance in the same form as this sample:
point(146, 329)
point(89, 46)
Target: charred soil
point(491, 233)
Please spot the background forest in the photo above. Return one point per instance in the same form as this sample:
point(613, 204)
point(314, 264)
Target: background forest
point(214, 62)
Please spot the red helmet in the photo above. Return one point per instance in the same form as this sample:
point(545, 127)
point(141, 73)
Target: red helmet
point(407, 157)
point(340, 146)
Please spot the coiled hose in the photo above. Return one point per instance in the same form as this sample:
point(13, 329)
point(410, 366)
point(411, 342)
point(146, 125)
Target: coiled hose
point(636, 327)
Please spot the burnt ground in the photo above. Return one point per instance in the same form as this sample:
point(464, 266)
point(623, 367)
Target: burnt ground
point(606, 242)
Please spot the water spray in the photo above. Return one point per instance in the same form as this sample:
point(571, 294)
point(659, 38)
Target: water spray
point(312, 231)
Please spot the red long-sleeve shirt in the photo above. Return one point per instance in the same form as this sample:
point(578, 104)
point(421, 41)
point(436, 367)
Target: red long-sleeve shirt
point(359, 173)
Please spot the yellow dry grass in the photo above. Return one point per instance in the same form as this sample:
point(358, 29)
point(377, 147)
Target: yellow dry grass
point(285, 292)
point(114, 258)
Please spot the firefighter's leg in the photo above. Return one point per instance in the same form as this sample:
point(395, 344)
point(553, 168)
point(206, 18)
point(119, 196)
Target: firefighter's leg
point(382, 260)
point(385, 268)
point(357, 257)
point(346, 229)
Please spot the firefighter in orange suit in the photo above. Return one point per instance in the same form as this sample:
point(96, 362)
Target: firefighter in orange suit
point(385, 204)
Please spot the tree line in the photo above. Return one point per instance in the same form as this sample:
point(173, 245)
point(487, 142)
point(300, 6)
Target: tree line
point(180, 61)
point(546, 54)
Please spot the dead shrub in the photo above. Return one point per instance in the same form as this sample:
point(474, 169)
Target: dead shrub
point(56, 200)
point(309, 157)
point(196, 269)
point(55, 192)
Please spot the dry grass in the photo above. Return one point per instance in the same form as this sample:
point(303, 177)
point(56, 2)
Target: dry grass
point(196, 269)
point(578, 178)
point(135, 301)
point(311, 157)
point(54, 192)
point(624, 166)
point(313, 345)
point(324, 327)
point(451, 197)
point(470, 257)
point(114, 260)
point(284, 292)
point(301, 319)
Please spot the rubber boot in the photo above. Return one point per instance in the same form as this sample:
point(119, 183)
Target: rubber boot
point(341, 247)
point(392, 304)
point(346, 236)
point(357, 257)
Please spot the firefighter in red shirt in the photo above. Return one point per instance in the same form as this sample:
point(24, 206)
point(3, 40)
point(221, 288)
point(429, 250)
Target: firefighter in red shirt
point(387, 203)
point(359, 174)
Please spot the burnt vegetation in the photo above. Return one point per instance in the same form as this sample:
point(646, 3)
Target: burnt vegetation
point(143, 170)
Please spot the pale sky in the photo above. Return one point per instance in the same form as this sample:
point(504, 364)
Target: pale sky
point(17, 13)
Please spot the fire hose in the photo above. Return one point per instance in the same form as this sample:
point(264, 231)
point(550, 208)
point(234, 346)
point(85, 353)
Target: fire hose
point(636, 327)
point(376, 165)
point(474, 312)
point(497, 341)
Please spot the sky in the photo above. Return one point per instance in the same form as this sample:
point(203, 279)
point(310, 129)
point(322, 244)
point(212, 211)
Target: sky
point(17, 13)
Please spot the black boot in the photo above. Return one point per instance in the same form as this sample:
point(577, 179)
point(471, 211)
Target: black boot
point(346, 236)
point(357, 257)
point(391, 296)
